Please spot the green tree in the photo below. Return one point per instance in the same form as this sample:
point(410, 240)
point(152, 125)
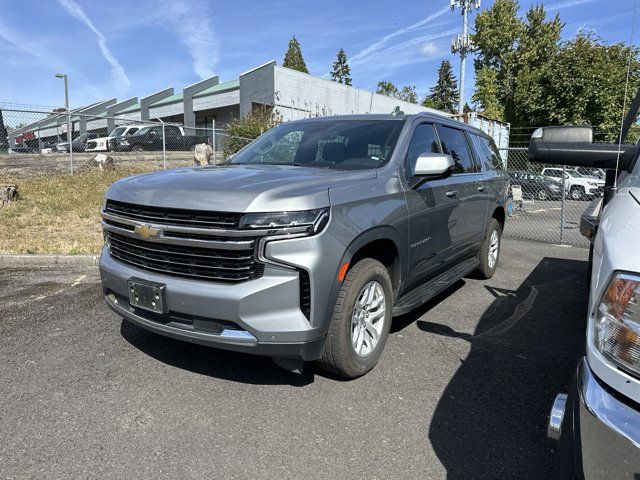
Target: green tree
point(408, 94)
point(241, 131)
point(444, 95)
point(427, 102)
point(341, 72)
point(387, 88)
point(293, 58)
point(486, 95)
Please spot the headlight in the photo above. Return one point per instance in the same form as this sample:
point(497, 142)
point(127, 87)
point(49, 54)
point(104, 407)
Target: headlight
point(617, 323)
point(554, 187)
point(307, 221)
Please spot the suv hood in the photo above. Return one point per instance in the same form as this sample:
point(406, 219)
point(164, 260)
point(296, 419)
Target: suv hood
point(236, 188)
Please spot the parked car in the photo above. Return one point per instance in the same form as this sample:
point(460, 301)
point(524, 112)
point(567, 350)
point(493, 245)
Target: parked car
point(577, 187)
point(535, 185)
point(150, 138)
point(79, 143)
point(101, 144)
point(591, 172)
point(20, 149)
point(304, 244)
point(596, 427)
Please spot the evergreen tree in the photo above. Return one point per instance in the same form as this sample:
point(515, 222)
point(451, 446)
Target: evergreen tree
point(408, 94)
point(4, 143)
point(387, 88)
point(341, 72)
point(427, 102)
point(444, 94)
point(293, 58)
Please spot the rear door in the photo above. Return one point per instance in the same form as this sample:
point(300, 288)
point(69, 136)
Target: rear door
point(493, 172)
point(467, 186)
point(432, 213)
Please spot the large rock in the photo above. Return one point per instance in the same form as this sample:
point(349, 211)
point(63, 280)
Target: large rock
point(103, 162)
point(203, 154)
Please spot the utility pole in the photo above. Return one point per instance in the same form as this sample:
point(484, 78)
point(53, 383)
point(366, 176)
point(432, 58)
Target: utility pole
point(69, 122)
point(461, 44)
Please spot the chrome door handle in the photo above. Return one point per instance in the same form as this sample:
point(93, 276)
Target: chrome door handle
point(452, 193)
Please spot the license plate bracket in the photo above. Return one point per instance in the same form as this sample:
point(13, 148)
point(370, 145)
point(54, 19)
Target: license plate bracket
point(147, 295)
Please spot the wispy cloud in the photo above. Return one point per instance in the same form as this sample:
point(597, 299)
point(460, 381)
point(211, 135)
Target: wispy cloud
point(380, 43)
point(565, 4)
point(117, 70)
point(30, 46)
point(195, 32)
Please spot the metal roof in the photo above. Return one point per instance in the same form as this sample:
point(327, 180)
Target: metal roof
point(176, 97)
point(230, 85)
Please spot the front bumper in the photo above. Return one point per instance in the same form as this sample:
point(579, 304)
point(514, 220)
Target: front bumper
point(260, 316)
point(600, 431)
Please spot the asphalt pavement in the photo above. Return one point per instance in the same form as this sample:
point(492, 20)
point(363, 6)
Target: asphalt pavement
point(462, 391)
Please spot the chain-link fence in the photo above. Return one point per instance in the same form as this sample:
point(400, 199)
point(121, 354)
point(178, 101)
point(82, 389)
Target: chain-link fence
point(36, 142)
point(547, 201)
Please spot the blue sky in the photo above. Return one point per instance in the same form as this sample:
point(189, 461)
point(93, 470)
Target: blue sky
point(124, 49)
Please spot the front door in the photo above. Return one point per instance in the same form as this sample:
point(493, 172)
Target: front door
point(432, 212)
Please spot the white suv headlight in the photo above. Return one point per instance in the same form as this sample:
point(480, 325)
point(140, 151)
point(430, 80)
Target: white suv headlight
point(617, 322)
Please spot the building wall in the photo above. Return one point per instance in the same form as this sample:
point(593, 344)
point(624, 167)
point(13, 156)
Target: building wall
point(217, 100)
point(300, 95)
point(257, 86)
point(168, 110)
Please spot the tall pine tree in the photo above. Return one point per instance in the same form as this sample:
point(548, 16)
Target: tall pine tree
point(293, 58)
point(444, 95)
point(341, 72)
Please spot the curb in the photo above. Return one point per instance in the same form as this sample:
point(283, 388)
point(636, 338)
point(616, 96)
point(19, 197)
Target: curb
point(26, 260)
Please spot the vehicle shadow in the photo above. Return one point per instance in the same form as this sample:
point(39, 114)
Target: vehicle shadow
point(227, 365)
point(491, 419)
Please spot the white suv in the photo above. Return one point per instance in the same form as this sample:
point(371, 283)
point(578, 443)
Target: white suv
point(102, 144)
point(576, 186)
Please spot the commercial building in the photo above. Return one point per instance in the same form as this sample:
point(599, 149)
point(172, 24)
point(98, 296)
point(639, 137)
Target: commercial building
point(293, 94)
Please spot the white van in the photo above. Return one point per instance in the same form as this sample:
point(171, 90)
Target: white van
point(102, 144)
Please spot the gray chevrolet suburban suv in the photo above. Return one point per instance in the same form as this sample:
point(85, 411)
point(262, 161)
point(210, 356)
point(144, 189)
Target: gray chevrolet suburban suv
point(307, 242)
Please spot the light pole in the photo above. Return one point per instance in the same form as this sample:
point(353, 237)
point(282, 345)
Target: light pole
point(462, 44)
point(66, 106)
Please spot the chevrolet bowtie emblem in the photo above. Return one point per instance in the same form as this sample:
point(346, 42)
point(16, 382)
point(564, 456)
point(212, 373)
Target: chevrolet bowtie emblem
point(147, 231)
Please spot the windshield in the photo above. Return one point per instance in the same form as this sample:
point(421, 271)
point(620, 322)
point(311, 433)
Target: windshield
point(340, 144)
point(116, 132)
point(574, 174)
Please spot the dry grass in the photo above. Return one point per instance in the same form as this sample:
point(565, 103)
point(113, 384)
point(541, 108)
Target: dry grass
point(58, 214)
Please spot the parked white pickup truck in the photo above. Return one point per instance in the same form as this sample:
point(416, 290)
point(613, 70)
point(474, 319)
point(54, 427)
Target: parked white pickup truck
point(576, 186)
point(102, 144)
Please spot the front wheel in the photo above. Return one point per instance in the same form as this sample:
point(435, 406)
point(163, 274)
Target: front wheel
point(577, 193)
point(543, 194)
point(489, 253)
point(360, 322)
point(137, 149)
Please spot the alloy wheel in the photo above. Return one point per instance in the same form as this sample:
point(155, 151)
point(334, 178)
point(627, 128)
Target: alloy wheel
point(367, 319)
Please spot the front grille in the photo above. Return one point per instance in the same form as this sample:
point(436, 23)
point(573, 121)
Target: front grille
point(174, 216)
point(208, 249)
point(194, 262)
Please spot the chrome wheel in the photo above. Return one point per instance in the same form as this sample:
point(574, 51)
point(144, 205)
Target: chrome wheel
point(367, 319)
point(494, 246)
point(542, 195)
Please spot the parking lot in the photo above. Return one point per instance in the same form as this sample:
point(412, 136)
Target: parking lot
point(462, 390)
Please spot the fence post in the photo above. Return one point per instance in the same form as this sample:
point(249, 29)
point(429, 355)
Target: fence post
point(213, 137)
point(164, 148)
point(70, 135)
point(564, 195)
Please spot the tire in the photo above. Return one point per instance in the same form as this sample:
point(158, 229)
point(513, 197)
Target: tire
point(542, 194)
point(576, 193)
point(137, 148)
point(489, 253)
point(192, 148)
point(349, 328)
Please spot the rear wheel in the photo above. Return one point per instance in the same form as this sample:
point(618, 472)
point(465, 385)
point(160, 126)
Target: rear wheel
point(542, 194)
point(137, 149)
point(489, 253)
point(576, 193)
point(360, 322)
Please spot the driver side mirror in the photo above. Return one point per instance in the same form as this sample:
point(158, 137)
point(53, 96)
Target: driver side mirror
point(433, 165)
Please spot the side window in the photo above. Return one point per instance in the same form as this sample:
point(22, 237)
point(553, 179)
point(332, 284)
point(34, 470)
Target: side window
point(454, 144)
point(488, 157)
point(171, 131)
point(424, 140)
point(131, 131)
